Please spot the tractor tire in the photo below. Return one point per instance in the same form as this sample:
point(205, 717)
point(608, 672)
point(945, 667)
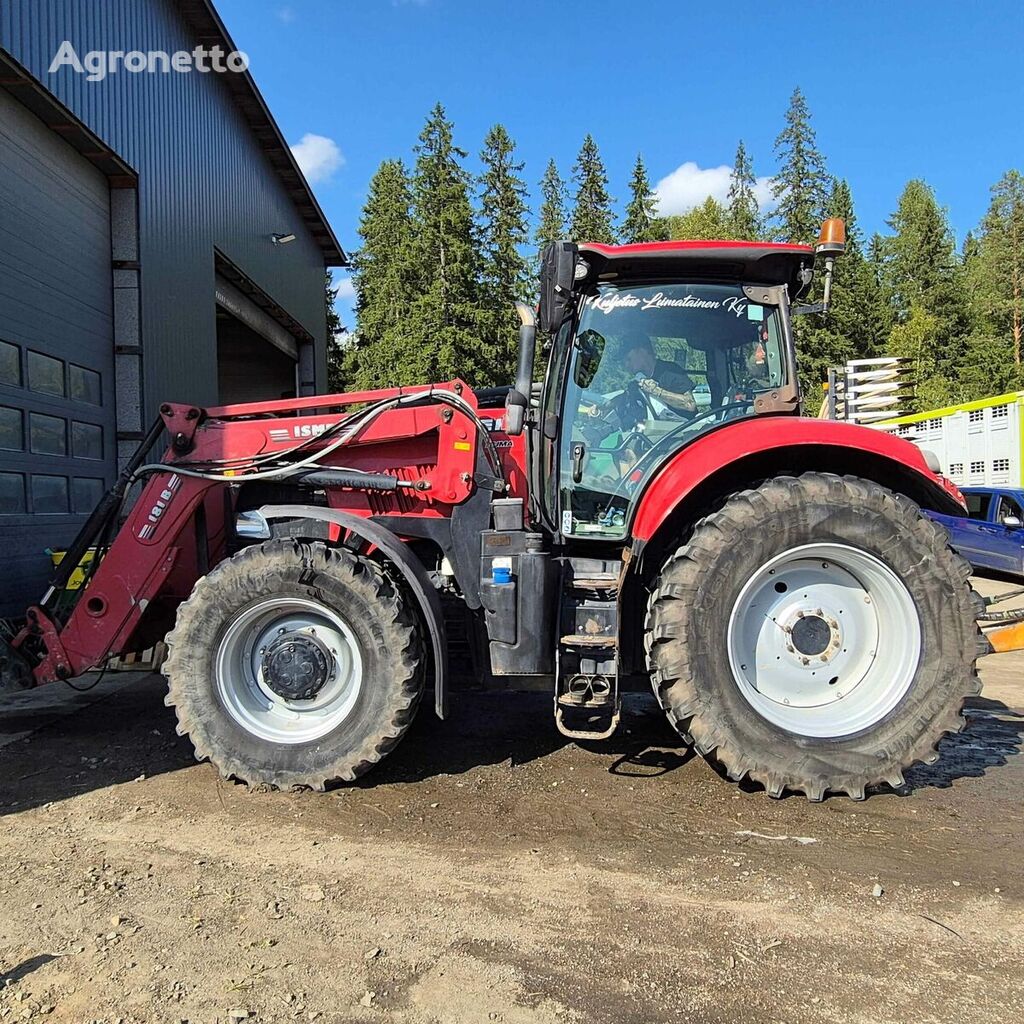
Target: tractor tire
point(816, 634)
point(293, 664)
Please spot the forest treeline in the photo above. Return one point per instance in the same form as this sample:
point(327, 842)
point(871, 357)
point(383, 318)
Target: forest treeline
point(444, 254)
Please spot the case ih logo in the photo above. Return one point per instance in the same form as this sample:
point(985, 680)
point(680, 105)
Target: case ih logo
point(156, 512)
point(299, 431)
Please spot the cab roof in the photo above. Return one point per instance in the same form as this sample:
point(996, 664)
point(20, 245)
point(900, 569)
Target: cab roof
point(768, 263)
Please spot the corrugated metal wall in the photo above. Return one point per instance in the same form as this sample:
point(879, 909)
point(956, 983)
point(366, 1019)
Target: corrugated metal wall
point(203, 182)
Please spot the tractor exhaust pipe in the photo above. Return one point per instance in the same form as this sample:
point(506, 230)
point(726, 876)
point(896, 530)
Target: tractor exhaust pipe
point(518, 401)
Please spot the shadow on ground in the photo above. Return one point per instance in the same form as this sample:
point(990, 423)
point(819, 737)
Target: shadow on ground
point(131, 733)
point(25, 968)
point(993, 734)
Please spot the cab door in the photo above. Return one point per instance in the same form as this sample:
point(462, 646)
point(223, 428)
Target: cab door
point(1007, 532)
point(972, 535)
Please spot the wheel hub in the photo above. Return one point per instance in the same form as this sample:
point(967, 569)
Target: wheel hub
point(296, 666)
point(824, 640)
point(814, 635)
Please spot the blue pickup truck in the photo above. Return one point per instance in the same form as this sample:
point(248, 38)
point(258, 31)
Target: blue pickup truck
point(991, 535)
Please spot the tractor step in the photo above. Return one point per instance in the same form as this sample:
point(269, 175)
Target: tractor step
point(588, 691)
point(587, 705)
point(606, 582)
point(596, 640)
point(598, 732)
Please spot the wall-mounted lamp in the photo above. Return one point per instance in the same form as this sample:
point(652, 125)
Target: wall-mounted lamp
point(279, 239)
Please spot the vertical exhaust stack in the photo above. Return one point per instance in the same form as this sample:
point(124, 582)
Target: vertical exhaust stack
point(518, 400)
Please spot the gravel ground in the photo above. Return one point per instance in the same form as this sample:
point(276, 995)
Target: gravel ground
point(491, 871)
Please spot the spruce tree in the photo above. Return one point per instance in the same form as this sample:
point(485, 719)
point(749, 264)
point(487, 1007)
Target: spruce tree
point(922, 273)
point(710, 220)
point(502, 234)
point(442, 327)
point(642, 207)
point(592, 218)
point(551, 226)
point(742, 205)
point(335, 329)
point(801, 184)
point(384, 283)
point(857, 324)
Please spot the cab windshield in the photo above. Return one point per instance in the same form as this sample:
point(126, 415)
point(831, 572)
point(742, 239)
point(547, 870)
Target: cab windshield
point(653, 367)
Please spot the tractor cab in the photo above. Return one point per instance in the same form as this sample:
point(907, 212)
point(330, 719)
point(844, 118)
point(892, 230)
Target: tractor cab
point(652, 347)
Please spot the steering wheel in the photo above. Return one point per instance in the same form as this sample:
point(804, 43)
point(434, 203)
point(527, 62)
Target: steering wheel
point(622, 413)
point(740, 403)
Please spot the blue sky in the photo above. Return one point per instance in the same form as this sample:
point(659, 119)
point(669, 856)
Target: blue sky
point(900, 89)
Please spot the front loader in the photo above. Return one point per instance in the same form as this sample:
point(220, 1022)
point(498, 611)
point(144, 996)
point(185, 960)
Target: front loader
point(657, 514)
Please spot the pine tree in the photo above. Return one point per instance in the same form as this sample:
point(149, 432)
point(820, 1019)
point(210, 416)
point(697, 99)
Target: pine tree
point(744, 211)
point(384, 282)
point(442, 328)
point(642, 207)
point(995, 265)
point(502, 234)
point(592, 218)
point(551, 226)
point(801, 184)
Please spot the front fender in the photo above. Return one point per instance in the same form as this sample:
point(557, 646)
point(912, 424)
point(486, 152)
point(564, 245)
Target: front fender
point(405, 561)
point(785, 443)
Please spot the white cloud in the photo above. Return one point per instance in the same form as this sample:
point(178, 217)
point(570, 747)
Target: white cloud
point(318, 157)
point(286, 15)
point(344, 288)
point(690, 184)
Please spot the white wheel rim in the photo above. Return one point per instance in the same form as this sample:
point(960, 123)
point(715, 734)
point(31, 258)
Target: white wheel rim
point(824, 640)
point(246, 694)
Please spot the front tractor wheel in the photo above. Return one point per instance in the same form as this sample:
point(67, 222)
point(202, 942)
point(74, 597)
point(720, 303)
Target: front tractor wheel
point(294, 664)
point(815, 634)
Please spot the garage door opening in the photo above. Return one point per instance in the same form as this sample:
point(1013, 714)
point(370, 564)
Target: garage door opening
point(250, 368)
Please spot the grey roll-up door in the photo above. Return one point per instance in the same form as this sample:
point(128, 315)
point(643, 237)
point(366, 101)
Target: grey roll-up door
point(57, 412)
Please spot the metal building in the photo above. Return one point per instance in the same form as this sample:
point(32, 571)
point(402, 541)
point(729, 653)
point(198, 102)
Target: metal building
point(141, 217)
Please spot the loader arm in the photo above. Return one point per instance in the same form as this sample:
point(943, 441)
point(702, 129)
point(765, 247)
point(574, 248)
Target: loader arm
point(405, 455)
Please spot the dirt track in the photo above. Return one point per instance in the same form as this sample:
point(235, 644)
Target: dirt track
point(490, 871)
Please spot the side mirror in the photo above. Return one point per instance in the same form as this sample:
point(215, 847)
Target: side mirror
point(1011, 522)
point(557, 274)
point(590, 345)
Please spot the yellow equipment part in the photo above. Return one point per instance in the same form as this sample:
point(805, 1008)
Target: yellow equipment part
point(77, 578)
point(1007, 638)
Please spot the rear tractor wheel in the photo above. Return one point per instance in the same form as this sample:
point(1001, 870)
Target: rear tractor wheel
point(815, 634)
point(294, 664)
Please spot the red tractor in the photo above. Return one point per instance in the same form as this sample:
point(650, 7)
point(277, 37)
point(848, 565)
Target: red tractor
point(657, 513)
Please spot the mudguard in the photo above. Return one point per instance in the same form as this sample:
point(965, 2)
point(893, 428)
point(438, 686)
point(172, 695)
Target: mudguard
point(719, 449)
point(412, 570)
